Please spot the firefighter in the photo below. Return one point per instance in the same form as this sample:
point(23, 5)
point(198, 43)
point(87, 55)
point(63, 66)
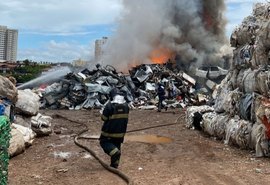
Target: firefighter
point(115, 117)
point(161, 96)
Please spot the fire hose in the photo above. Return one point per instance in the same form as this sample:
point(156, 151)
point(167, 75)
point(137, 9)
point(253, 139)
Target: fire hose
point(117, 172)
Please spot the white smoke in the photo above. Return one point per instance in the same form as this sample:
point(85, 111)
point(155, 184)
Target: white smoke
point(193, 30)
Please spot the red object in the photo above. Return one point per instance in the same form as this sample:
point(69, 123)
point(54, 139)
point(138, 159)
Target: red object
point(267, 125)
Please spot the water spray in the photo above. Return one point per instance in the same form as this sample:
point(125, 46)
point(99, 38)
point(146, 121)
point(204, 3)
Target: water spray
point(48, 78)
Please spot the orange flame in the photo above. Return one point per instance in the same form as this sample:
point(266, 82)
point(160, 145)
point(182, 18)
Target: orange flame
point(160, 55)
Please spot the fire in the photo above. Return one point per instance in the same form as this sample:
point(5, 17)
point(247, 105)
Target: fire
point(208, 20)
point(160, 55)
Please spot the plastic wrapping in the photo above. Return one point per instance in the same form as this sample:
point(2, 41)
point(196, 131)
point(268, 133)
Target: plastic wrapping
point(28, 102)
point(245, 106)
point(238, 132)
point(259, 141)
point(226, 101)
point(192, 110)
point(214, 124)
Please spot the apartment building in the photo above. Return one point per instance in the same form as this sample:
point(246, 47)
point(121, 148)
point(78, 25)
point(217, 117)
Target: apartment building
point(99, 48)
point(8, 44)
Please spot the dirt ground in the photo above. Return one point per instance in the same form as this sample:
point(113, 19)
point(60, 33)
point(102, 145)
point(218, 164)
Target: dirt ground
point(191, 158)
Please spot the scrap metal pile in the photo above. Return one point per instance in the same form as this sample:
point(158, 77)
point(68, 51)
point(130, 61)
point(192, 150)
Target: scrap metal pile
point(90, 89)
point(241, 114)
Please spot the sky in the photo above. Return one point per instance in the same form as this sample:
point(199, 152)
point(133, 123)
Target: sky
point(65, 30)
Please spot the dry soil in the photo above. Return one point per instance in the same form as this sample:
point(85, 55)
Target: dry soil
point(192, 158)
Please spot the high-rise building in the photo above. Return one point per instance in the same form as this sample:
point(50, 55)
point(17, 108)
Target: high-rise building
point(99, 48)
point(8, 44)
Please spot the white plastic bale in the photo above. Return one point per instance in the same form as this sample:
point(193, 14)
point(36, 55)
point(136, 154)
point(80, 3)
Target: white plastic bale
point(222, 91)
point(259, 9)
point(242, 56)
point(28, 102)
point(7, 89)
point(262, 83)
point(238, 132)
point(249, 81)
point(261, 54)
point(208, 123)
point(243, 36)
point(220, 127)
point(226, 101)
point(259, 141)
point(193, 109)
point(236, 57)
point(28, 134)
point(215, 124)
point(16, 144)
point(239, 79)
point(232, 100)
point(254, 108)
point(41, 125)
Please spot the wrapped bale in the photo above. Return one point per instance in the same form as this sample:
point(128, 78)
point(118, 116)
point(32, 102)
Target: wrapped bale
point(190, 113)
point(263, 115)
point(222, 91)
point(215, 124)
point(209, 122)
point(249, 81)
point(255, 106)
point(241, 36)
point(226, 101)
point(259, 140)
point(41, 125)
point(238, 133)
point(233, 79)
point(245, 106)
point(8, 90)
point(4, 145)
point(28, 134)
point(242, 56)
point(263, 83)
point(28, 102)
point(17, 144)
point(261, 54)
point(239, 80)
point(259, 9)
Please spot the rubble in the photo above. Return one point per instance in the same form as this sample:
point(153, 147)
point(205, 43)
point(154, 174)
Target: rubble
point(242, 106)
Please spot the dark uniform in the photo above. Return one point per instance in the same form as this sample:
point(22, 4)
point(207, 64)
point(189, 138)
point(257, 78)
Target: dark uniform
point(115, 117)
point(161, 96)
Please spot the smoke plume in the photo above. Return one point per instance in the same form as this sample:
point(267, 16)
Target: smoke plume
point(191, 31)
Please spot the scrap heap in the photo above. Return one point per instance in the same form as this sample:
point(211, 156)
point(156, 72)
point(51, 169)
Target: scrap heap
point(241, 114)
point(90, 89)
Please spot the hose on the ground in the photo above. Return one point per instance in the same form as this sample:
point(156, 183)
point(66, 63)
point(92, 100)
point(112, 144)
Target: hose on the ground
point(117, 172)
point(107, 167)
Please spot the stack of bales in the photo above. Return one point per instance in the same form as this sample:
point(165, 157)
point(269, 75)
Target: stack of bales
point(8, 90)
point(242, 105)
point(4, 145)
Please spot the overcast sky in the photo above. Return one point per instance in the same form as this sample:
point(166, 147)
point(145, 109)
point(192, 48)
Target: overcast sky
point(65, 30)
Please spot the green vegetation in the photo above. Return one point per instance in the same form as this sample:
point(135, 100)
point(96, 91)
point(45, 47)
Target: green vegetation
point(27, 70)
